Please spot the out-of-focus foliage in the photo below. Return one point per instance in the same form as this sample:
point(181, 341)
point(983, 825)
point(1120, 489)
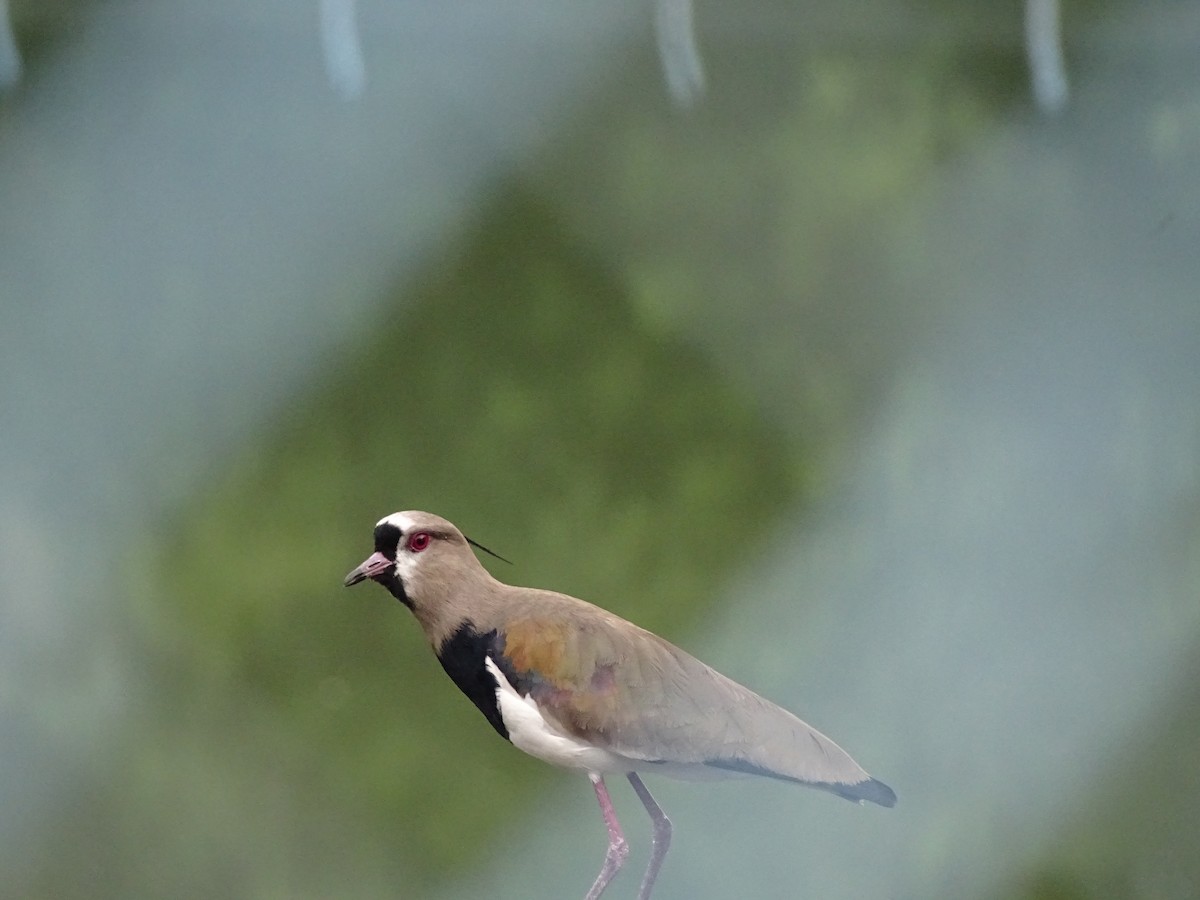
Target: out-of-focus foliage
point(549, 401)
point(1137, 836)
point(561, 405)
point(772, 224)
point(518, 395)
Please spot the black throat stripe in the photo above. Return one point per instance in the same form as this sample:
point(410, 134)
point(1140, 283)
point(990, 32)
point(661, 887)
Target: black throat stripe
point(395, 587)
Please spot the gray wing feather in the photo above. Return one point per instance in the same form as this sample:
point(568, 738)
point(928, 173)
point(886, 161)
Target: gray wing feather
point(690, 714)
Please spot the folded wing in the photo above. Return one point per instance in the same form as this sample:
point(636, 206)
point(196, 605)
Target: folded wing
point(632, 693)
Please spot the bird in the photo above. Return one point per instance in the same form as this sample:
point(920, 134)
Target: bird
point(581, 688)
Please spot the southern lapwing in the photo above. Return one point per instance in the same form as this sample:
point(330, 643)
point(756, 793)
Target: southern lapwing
point(579, 687)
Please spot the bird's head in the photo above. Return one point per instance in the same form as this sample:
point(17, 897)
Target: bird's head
point(416, 554)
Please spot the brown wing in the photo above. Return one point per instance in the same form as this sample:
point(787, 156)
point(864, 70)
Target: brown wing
point(622, 688)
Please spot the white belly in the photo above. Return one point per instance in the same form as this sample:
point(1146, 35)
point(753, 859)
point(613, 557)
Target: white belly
point(530, 731)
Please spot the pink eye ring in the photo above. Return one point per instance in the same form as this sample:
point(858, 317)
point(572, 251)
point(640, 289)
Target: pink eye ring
point(418, 541)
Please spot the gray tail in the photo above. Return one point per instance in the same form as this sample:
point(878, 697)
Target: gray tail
point(871, 789)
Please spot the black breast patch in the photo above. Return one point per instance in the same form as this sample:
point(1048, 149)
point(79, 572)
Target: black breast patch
point(463, 657)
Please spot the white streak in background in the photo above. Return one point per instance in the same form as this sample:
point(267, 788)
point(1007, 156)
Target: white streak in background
point(675, 29)
point(1043, 44)
point(10, 56)
point(341, 47)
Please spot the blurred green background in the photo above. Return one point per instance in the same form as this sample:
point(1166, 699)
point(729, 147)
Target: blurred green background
point(861, 378)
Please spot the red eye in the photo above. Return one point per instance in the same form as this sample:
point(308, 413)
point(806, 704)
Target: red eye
point(418, 541)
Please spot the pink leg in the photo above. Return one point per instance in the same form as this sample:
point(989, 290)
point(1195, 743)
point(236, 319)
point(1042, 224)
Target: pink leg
point(617, 848)
point(662, 835)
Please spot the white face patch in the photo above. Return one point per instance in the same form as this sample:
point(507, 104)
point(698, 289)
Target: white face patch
point(397, 520)
point(532, 732)
point(406, 565)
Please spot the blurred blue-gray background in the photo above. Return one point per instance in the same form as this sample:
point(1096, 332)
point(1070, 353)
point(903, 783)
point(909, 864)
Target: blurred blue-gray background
point(834, 345)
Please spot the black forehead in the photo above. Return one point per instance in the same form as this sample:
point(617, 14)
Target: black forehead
point(387, 539)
